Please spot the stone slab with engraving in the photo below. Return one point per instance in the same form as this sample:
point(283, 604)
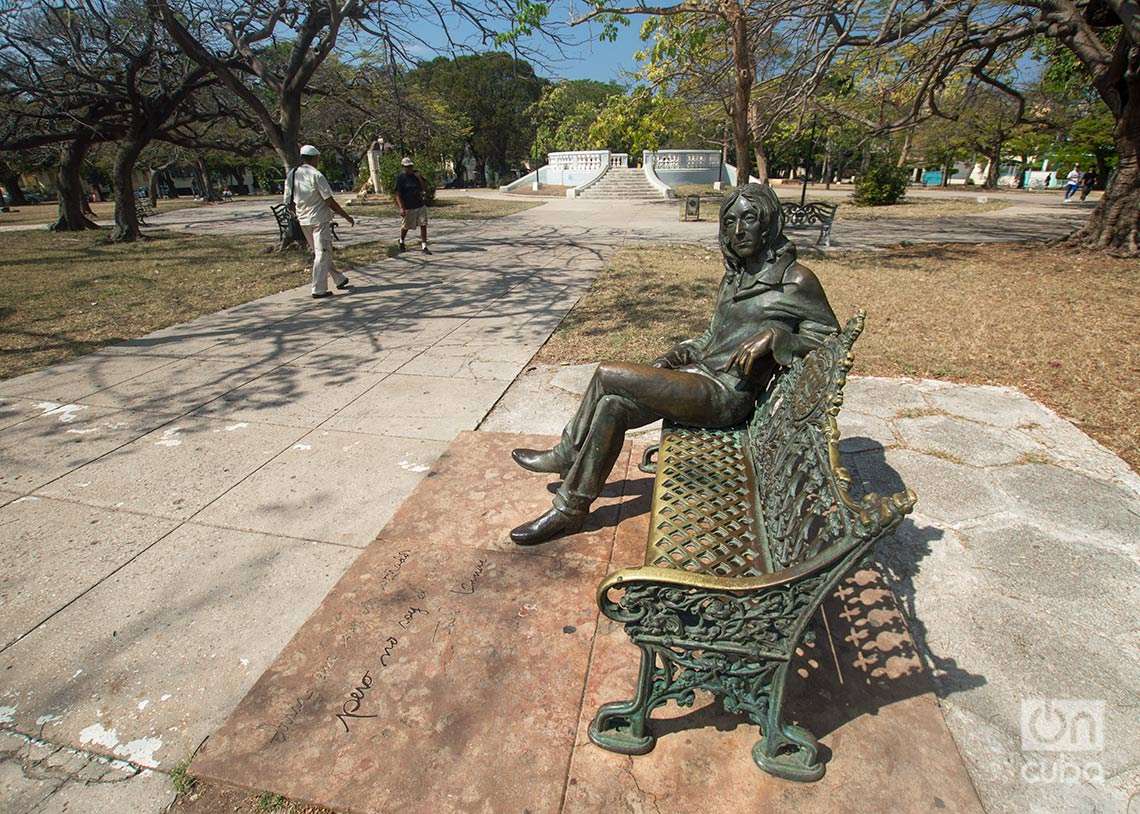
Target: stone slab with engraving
point(447, 672)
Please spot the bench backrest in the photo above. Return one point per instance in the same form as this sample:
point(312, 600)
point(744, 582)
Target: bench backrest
point(793, 443)
point(281, 214)
point(796, 214)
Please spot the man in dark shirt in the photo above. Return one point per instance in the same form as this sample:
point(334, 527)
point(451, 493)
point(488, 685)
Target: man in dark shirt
point(410, 199)
point(769, 311)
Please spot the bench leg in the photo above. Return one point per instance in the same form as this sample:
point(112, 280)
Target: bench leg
point(786, 750)
point(621, 726)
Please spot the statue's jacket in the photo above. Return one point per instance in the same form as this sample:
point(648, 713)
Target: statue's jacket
point(776, 293)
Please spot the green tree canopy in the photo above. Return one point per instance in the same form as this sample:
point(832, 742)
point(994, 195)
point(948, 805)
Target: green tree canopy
point(495, 92)
point(565, 111)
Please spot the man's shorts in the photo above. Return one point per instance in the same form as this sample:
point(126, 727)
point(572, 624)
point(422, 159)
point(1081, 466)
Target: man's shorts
point(415, 217)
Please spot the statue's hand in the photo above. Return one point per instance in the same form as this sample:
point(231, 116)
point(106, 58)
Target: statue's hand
point(675, 357)
point(750, 352)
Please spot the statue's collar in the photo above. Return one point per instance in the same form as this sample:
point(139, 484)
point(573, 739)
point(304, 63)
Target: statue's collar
point(766, 273)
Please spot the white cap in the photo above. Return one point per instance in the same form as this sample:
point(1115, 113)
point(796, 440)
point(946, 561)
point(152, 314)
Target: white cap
point(309, 149)
point(407, 162)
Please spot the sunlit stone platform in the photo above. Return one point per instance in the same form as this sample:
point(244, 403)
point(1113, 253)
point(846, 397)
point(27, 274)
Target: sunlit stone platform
point(449, 670)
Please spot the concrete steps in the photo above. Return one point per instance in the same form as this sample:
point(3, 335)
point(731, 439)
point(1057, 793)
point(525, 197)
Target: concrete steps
point(622, 183)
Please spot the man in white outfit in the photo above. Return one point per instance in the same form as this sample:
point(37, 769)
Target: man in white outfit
point(313, 202)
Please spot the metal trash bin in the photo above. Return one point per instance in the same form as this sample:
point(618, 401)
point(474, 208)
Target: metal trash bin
point(691, 207)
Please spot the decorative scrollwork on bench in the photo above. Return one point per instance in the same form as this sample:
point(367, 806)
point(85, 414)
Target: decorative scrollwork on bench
point(751, 527)
point(809, 214)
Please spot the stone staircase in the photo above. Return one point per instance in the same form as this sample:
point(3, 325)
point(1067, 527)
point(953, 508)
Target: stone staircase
point(622, 182)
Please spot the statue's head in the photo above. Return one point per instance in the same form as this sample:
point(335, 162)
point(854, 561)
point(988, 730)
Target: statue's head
point(751, 222)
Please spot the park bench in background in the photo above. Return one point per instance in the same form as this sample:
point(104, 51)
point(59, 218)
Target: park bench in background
point(143, 209)
point(282, 218)
point(750, 529)
point(809, 214)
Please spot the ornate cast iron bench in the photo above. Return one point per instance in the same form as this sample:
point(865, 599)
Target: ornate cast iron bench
point(809, 214)
point(751, 528)
point(281, 215)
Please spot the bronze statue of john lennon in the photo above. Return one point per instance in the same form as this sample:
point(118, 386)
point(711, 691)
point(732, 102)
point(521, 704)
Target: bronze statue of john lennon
point(769, 310)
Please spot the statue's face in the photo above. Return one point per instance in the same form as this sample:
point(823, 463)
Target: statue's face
point(743, 228)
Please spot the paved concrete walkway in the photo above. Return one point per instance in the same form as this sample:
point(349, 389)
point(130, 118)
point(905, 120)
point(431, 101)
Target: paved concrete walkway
point(174, 508)
point(1018, 571)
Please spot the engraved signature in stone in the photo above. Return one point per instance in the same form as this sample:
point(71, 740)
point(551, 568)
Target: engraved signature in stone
point(351, 707)
point(409, 615)
point(282, 727)
point(468, 585)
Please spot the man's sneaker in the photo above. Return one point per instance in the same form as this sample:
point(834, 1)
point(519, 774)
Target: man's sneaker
point(403, 248)
point(322, 295)
point(344, 285)
point(426, 249)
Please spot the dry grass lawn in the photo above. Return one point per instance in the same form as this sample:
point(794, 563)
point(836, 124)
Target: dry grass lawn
point(104, 210)
point(1059, 325)
point(914, 208)
point(452, 208)
point(62, 295)
point(918, 208)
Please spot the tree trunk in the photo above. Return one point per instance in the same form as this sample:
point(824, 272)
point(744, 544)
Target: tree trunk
point(1101, 158)
point(994, 168)
point(126, 229)
point(71, 217)
point(152, 186)
point(745, 74)
point(289, 112)
point(11, 181)
point(1114, 225)
point(904, 153)
point(761, 171)
point(205, 182)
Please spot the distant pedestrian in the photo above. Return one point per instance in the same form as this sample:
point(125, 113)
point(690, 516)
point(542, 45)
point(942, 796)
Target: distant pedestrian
point(1088, 181)
point(1072, 182)
point(309, 196)
point(410, 189)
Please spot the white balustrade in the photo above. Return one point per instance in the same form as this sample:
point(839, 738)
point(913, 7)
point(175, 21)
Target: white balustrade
point(578, 160)
point(683, 159)
point(619, 159)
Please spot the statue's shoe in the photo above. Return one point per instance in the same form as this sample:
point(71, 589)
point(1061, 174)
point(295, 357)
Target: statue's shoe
point(552, 524)
point(541, 460)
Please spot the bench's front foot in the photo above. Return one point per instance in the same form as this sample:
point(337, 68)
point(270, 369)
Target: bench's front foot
point(621, 726)
point(791, 753)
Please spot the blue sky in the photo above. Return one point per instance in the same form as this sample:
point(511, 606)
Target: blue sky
point(603, 61)
point(593, 59)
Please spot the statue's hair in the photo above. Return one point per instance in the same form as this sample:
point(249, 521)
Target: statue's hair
point(767, 204)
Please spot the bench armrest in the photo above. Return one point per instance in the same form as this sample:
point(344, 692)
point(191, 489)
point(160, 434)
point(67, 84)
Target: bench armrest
point(878, 516)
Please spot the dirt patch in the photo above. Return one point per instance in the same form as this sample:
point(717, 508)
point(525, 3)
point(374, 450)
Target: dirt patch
point(1059, 325)
point(62, 295)
point(457, 208)
point(208, 798)
point(544, 191)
